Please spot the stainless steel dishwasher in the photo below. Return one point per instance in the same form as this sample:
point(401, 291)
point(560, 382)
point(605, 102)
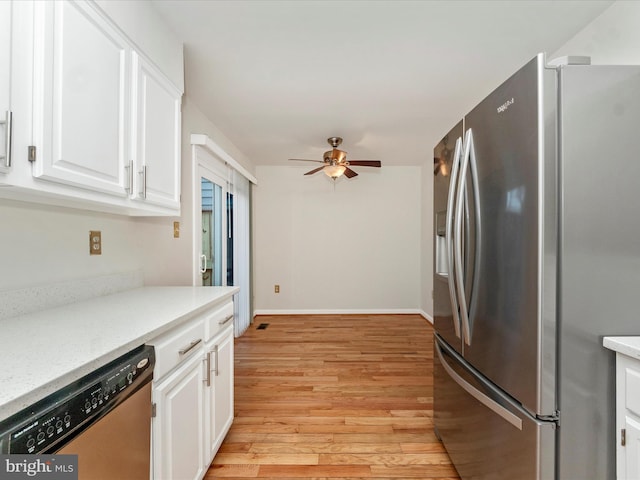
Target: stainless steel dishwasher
point(104, 418)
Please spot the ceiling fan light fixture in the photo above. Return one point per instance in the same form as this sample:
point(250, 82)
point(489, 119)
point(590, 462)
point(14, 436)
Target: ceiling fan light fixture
point(334, 171)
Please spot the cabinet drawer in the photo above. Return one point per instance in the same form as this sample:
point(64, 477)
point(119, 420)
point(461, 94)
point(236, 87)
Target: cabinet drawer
point(632, 400)
point(218, 319)
point(173, 347)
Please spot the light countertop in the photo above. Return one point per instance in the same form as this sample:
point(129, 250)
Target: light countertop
point(44, 351)
point(627, 345)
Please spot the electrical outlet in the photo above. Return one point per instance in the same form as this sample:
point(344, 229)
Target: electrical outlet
point(95, 242)
point(276, 288)
point(176, 229)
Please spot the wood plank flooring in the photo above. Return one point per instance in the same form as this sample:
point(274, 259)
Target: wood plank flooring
point(334, 397)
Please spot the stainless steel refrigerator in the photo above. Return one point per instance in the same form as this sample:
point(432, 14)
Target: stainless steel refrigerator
point(536, 258)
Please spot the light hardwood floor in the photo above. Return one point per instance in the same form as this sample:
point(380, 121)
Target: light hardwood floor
point(334, 397)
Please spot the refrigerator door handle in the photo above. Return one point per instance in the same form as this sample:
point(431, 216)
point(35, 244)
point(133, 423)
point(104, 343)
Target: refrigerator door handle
point(457, 250)
point(449, 236)
point(477, 249)
point(477, 394)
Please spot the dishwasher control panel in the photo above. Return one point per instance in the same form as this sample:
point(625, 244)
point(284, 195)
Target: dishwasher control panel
point(64, 414)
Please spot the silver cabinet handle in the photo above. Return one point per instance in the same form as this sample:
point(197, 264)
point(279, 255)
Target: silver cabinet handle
point(215, 352)
point(129, 173)
point(143, 174)
point(8, 123)
point(223, 322)
point(191, 346)
point(449, 236)
point(207, 360)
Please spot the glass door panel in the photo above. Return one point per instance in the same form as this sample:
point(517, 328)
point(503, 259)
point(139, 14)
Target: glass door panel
point(213, 219)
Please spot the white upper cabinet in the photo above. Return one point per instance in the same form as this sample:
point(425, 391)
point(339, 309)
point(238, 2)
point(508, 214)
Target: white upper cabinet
point(81, 98)
point(5, 85)
point(99, 125)
point(157, 121)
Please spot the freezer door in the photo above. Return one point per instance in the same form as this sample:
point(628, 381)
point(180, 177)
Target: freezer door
point(446, 157)
point(505, 142)
point(487, 435)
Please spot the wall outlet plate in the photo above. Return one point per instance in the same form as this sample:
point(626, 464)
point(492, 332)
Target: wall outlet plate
point(95, 242)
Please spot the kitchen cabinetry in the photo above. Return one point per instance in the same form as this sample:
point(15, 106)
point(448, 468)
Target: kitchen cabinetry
point(157, 136)
point(101, 121)
point(219, 394)
point(81, 98)
point(628, 416)
point(5, 85)
point(193, 394)
point(627, 405)
point(178, 427)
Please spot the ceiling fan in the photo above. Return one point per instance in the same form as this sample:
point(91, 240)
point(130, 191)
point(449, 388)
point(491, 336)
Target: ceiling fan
point(336, 163)
point(441, 163)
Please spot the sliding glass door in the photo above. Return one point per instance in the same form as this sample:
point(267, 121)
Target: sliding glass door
point(221, 221)
point(216, 266)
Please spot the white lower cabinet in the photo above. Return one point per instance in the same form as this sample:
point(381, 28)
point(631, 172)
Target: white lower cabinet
point(178, 427)
point(193, 394)
point(627, 417)
point(219, 393)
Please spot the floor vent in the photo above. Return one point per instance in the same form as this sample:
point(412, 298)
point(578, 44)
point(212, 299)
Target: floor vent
point(262, 326)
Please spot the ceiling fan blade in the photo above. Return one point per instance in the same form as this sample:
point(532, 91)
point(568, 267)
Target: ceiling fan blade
point(366, 163)
point(349, 173)
point(314, 170)
point(305, 160)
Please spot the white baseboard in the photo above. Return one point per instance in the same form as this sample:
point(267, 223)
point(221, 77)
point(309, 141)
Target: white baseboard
point(428, 317)
point(391, 311)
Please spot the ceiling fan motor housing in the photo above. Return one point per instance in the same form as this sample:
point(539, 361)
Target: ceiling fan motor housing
point(335, 156)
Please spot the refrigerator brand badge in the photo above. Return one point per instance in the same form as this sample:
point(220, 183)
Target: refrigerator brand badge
point(502, 108)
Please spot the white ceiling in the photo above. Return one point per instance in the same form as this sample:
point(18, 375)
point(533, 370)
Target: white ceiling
point(390, 77)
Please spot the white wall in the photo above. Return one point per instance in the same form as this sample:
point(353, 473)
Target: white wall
point(146, 28)
point(40, 244)
point(426, 241)
point(168, 260)
point(613, 38)
point(354, 248)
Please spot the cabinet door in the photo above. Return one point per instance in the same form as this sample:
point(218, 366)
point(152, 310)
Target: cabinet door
point(178, 427)
point(81, 97)
point(157, 127)
point(220, 396)
point(632, 448)
point(5, 83)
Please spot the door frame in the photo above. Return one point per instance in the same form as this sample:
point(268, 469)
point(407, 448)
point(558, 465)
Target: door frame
point(208, 166)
